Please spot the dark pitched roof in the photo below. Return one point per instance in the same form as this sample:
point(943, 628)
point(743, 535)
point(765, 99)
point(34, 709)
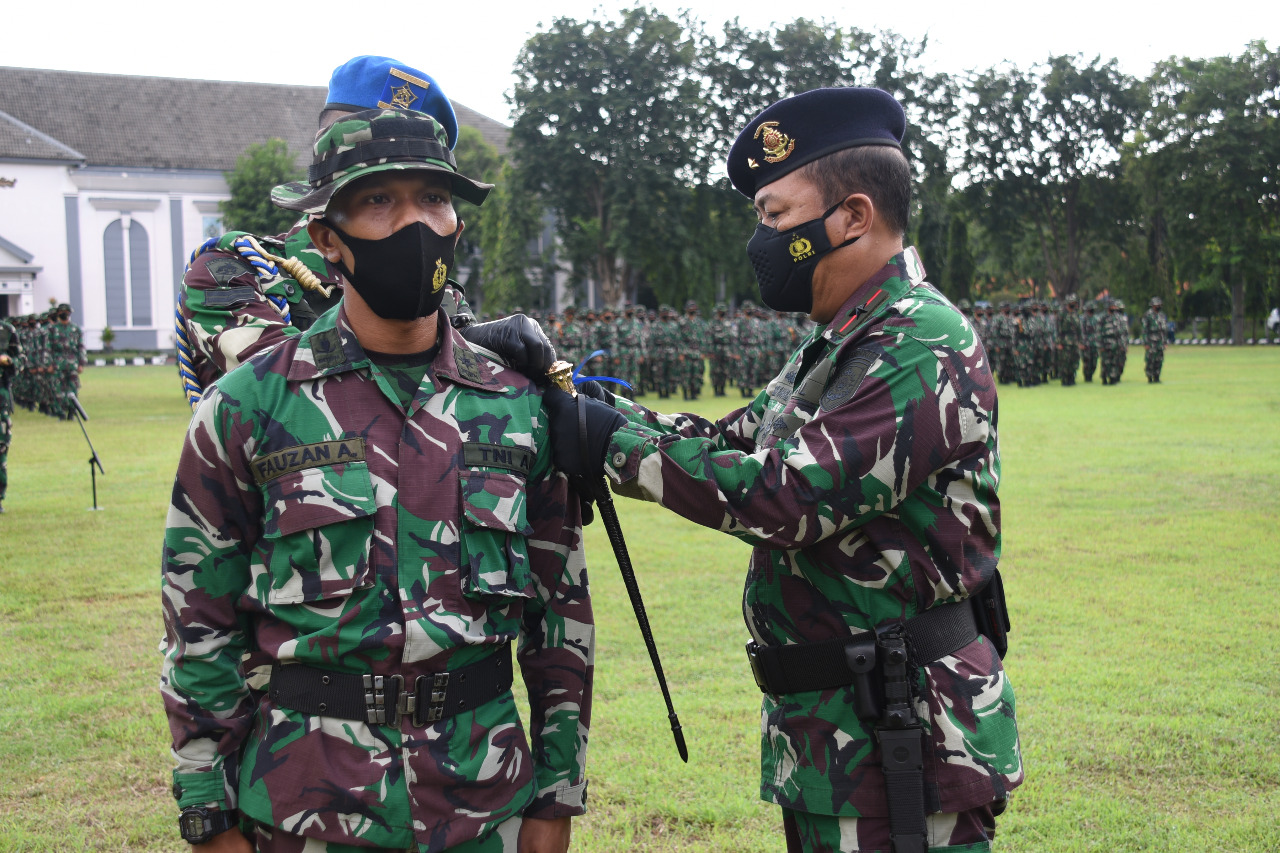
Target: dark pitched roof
point(19, 140)
point(174, 123)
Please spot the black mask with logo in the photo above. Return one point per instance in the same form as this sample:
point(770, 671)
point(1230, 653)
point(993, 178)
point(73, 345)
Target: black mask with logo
point(784, 261)
point(401, 276)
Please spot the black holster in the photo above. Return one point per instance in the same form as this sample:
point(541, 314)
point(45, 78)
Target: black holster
point(991, 615)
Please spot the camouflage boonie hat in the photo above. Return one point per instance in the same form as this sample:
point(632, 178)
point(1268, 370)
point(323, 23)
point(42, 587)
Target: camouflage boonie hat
point(373, 141)
point(1117, 303)
point(721, 308)
point(1156, 302)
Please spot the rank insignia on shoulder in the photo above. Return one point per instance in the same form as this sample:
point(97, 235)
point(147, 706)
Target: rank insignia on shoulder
point(402, 91)
point(224, 270)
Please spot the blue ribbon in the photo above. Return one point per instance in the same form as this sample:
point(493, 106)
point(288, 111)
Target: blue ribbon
point(578, 378)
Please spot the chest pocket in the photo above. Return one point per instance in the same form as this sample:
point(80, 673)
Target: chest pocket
point(494, 534)
point(317, 530)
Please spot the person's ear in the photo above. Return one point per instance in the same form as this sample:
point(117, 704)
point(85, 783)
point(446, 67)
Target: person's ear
point(856, 214)
point(325, 239)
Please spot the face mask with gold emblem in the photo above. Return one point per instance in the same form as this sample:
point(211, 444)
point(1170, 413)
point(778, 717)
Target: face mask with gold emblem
point(402, 276)
point(784, 261)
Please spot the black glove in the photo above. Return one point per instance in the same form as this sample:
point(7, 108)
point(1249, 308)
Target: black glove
point(596, 391)
point(580, 431)
point(519, 340)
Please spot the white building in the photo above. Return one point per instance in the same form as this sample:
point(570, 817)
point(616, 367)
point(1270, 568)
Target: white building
point(107, 182)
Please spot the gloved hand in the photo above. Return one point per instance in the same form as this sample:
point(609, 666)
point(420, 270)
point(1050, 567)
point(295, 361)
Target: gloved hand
point(519, 340)
point(596, 391)
point(580, 432)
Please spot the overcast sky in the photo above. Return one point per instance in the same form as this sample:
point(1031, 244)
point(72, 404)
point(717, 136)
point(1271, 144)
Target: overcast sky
point(470, 47)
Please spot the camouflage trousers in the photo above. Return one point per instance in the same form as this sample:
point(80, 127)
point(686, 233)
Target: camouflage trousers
point(1068, 361)
point(6, 434)
point(692, 368)
point(1089, 362)
point(1154, 362)
point(1113, 359)
point(501, 838)
point(719, 371)
point(1024, 358)
point(964, 832)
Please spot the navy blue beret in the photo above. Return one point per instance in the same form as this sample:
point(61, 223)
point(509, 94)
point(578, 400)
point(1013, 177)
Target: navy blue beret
point(800, 129)
point(372, 82)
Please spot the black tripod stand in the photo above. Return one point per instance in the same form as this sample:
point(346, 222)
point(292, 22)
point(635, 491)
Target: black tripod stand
point(81, 417)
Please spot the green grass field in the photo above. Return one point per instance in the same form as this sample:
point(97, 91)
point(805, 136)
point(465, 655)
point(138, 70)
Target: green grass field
point(1141, 558)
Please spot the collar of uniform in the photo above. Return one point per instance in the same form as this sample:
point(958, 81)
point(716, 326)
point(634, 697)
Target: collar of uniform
point(895, 279)
point(328, 347)
point(459, 362)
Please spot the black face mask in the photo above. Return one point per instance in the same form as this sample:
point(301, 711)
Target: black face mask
point(402, 276)
point(784, 262)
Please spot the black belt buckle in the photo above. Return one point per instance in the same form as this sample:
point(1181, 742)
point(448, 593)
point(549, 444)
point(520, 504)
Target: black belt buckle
point(757, 667)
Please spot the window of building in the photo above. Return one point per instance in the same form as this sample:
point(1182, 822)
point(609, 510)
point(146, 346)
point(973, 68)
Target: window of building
point(128, 273)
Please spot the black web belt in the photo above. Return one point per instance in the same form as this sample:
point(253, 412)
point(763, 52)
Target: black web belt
point(797, 668)
point(384, 699)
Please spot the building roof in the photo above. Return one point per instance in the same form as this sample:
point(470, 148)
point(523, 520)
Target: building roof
point(170, 122)
point(21, 141)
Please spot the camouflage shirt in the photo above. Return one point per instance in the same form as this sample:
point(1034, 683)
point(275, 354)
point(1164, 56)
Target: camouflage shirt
point(869, 495)
point(318, 520)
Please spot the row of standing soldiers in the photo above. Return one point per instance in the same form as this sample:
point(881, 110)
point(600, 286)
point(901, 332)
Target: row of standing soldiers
point(53, 356)
point(1037, 342)
point(662, 351)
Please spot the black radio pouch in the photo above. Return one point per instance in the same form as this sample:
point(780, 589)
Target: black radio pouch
point(991, 615)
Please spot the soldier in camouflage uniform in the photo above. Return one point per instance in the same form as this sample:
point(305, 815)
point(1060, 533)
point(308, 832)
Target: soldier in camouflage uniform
point(369, 511)
point(1114, 343)
point(243, 294)
point(750, 347)
point(1046, 353)
point(1024, 349)
point(1090, 331)
point(1155, 329)
point(574, 338)
point(695, 338)
point(1001, 344)
point(1070, 340)
point(68, 358)
point(866, 477)
point(630, 332)
point(721, 334)
point(11, 364)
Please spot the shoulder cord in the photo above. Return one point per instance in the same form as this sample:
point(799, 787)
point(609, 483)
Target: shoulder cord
point(266, 266)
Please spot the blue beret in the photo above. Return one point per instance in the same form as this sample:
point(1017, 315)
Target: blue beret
point(800, 129)
point(372, 82)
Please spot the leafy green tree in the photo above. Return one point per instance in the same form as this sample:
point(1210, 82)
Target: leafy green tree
point(960, 268)
point(477, 159)
point(1038, 146)
point(1211, 144)
point(605, 135)
point(259, 168)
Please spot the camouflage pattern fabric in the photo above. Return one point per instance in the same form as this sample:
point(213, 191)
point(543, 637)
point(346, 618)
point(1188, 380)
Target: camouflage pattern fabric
point(1113, 346)
point(66, 358)
point(1024, 350)
point(1091, 331)
point(695, 340)
point(666, 351)
point(721, 334)
point(575, 340)
point(868, 488)
point(1001, 349)
point(290, 539)
point(1070, 338)
point(1155, 326)
point(966, 832)
point(11, 346)
point(631, 346)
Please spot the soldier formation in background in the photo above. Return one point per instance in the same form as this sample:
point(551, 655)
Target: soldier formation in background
point(664, 352)
point(1037, 341)
point(54, 356)
point(11, 362)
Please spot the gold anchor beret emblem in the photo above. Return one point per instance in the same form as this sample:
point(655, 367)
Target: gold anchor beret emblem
point(437, 279)
point(777, 145)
